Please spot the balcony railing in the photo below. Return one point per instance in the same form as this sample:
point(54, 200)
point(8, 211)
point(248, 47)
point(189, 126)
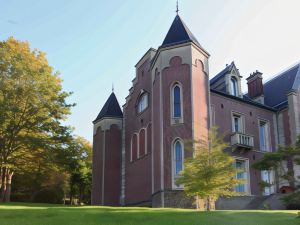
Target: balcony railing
point(242, 140)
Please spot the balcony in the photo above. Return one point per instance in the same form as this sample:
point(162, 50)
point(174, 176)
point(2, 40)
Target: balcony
point(242, 141)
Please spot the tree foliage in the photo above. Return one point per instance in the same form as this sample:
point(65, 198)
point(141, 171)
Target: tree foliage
point(278, 160)
point(210, 173)
point(32, 108)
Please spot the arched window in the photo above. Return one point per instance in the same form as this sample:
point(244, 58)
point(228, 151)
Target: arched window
point(234, 86)
point(178, 157)
point(142, 103)
point(134, 147)
point(142, 143)
point(176, 101)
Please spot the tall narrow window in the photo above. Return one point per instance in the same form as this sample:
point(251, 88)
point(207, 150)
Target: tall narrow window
point(234, 86)
point(178, 157)
point(241, 175)
point(176, 102)
point(237, 123)
point(264, 136)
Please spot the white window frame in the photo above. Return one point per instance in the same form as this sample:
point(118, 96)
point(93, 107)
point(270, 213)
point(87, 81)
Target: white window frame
point(242, 122)
point(232, 86)
point(143, 102)
point(176, 120)
point(247, 183)
point(174, 177)
point(267, 147)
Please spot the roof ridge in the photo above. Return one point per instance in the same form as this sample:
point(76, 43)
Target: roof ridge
point(282, 72)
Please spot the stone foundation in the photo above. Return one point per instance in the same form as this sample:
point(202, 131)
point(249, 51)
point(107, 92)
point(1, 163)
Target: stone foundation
point(172, 199)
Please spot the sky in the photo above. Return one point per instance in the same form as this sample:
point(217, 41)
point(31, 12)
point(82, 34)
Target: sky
point(96, 43)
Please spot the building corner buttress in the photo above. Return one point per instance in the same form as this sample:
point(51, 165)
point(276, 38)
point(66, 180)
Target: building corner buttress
point(122, 194)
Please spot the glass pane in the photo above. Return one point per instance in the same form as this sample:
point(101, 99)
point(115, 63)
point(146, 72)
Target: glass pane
point(178, 158)
point(177, 102)
point(143, 103)
point(234, 86)
point(262, 136)
point(241, 165)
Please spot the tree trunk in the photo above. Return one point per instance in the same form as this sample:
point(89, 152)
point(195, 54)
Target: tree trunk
point(208, 204)
point(81, 192)
point(0, 177)
point(197, 203)
point(291, 173)
point(3, 186)
point(71, 198)
point(9, 176)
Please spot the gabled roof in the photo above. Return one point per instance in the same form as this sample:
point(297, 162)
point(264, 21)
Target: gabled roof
point(179, 33)
point(276, 90)
point(111, 108)
point(225, 71)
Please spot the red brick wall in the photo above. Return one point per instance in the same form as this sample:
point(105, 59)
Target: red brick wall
point(110, 142)
point(251, 114)
point(200, 101)
point(138, 172)
point(255, 88)
point(112, 182)
point(97, 167)
point(180, 73)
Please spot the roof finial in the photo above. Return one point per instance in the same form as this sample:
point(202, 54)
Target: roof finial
point(177, 10)
point(112, 88)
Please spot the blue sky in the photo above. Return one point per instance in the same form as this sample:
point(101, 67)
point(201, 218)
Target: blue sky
point(95, 43)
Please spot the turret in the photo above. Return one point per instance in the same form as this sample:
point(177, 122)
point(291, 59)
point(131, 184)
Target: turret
point(107, 146)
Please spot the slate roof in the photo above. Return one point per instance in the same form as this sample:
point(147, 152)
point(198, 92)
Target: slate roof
point(111, 108)
point(179, 33)
point(227, 69)
point(276, 90)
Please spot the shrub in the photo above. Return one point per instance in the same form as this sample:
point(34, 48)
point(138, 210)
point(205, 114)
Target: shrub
point(292, 201)
point(20, 197)
point(49, 195)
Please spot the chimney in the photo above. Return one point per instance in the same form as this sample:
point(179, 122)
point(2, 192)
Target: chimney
point(255, 87)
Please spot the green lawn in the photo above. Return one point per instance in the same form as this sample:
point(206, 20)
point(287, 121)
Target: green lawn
point(44, 214)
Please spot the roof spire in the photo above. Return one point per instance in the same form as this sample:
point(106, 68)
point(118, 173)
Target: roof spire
point(112, 88)
point(177, 10)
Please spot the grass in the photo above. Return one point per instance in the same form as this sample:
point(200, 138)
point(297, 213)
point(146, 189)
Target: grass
point(45, 214)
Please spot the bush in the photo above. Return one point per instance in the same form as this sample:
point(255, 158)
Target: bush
point(292, 201)
point(20, 197)
point(50, 195)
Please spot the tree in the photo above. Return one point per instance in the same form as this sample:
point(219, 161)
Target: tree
point(77, 160)
point(32, 107)
point(210, 173)
point(275, 161)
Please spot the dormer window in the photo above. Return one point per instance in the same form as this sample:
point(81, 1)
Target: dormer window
point(234, 86)
point(142, 103)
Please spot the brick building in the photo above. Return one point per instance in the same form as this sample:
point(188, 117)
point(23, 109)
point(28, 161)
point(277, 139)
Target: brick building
point(139, 151)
